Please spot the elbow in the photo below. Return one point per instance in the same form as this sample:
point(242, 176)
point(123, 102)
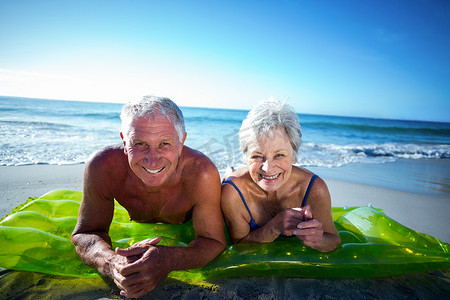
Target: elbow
point(333, 242)
point(216, 247)
point(222, 244)
point(74, 239)
point(337, 242)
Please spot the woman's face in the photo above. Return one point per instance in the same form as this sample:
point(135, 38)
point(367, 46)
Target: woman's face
point(270, 160)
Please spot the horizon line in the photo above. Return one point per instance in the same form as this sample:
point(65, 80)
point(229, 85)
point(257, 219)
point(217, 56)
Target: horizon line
point(237, 109)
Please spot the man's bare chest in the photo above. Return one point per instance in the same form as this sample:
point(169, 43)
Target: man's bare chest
point(155, 208)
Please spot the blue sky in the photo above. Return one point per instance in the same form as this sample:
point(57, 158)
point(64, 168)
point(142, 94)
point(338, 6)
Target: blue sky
point(383, 59)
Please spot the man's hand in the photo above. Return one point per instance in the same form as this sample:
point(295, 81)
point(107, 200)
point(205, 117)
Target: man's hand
point(143, 270)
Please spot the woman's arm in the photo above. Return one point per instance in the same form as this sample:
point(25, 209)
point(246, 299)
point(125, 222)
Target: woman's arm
point(317, 231)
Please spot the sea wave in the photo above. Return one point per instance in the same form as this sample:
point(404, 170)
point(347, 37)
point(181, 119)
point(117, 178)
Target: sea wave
point(413, 128)
point(37, 131)
point(331, 155)
point(61, 163)
point(310, 154)
point(36, 125)
point(113, 116)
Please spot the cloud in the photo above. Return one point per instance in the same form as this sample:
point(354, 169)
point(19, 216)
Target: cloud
point(32, 84)
point(7, 74)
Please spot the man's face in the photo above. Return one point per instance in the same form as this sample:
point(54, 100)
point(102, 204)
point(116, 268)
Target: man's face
point(153, 148)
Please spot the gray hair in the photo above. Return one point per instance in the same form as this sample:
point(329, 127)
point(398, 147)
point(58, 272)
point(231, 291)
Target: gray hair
point(267, 116)
point(148, 107)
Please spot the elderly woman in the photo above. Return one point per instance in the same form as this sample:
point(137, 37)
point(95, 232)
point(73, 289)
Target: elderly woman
point(270, 196)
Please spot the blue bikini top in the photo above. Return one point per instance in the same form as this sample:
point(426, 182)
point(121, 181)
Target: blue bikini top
point(252, 223)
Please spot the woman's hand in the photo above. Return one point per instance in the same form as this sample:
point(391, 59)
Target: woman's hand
point(309, 231)
point(287, 220)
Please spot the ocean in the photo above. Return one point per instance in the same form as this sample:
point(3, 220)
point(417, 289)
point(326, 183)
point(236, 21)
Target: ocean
point(41, 131)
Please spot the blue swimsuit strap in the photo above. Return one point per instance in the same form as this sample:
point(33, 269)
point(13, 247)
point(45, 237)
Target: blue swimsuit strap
point(252, 222)
point(240, 194)
point(308, 189)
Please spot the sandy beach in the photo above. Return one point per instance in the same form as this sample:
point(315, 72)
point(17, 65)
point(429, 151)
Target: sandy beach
point(426, 213)
point(423, 213)
point(19, 183)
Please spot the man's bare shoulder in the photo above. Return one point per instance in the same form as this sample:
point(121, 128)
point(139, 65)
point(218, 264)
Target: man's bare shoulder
point(194, 160)
point(106, 156)
point(196, 167)
point(107, 166)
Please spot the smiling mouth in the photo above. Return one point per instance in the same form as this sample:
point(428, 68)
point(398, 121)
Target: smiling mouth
point(154, 171)
point(270, 177)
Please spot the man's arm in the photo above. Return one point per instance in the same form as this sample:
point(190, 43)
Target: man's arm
point(156, 262)
point(204, 193)
point(207, 219)
point(90, 236)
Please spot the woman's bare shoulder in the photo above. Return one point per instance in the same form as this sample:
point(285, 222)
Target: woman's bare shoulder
point(239, 175)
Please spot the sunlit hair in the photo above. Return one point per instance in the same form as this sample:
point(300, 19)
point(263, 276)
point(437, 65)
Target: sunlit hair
point(264, 119)
point(152, 107)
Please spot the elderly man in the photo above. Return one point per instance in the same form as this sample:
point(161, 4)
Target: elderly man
point(156, 179)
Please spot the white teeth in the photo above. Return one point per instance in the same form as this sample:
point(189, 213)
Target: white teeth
point(153, 171)
point(270, 177)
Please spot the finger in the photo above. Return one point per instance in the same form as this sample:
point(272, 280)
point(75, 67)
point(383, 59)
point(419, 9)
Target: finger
point(309, 224)
point(295, 214)
point(128, 270)
point(310, 233)
point(312, 244)
point(288, 227)
point(128, 280)
point(133, 293)
point(137, 289)
point(309, 228)
point(138, 248)
point(118, 278)
point(125, 280)
point(119, 286)
point(132, 251)
point(302, 209)
point(307, 214)
point(146, 243)
point(151, 242)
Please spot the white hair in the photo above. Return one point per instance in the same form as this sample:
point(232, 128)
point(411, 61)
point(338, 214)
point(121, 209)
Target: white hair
point(266, 117)
point(149, 107)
